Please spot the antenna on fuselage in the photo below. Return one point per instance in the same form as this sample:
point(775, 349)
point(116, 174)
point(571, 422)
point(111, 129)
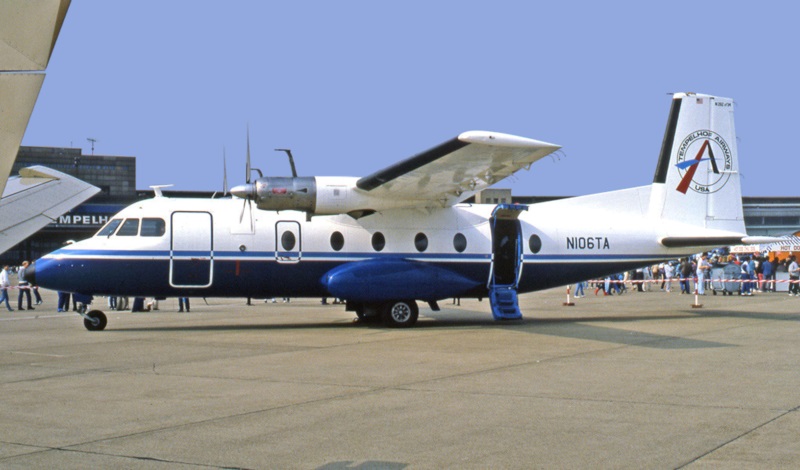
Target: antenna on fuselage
point(291, 160)
point(157, 189)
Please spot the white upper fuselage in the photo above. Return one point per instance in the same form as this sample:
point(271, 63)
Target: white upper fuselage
point(579, 238)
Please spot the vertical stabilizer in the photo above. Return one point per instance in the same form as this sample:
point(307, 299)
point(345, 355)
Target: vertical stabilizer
point(697, 178)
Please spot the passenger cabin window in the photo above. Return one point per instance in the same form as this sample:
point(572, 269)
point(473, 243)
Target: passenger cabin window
point(535, 243)
point(153, 227)
point(378, 241)
point(129, 229)
point(288, 240)
point(460, 242)
point(109, 228)
point(337, 241)
point(421, 242)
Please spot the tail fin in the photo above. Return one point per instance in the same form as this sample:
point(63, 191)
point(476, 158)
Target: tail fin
point(697, 178)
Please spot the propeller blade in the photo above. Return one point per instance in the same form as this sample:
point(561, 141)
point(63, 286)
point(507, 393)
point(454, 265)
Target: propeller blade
point(241, 214)
point(248, 154)
point(224, 173)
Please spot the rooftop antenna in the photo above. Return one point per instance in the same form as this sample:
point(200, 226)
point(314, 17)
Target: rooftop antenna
point(92, 141)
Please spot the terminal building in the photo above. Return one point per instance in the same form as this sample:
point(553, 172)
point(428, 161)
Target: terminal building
point(116, 178)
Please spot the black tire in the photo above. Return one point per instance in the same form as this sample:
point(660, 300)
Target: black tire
point(97, 321)
point(368, 313)
point(400, 314)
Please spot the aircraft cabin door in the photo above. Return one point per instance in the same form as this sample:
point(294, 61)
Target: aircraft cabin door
point(506, 245)
point(288, 244)
point(191, 254)
point(506, 261)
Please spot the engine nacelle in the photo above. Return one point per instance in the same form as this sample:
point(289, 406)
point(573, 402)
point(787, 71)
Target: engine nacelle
point(279, 193)
point(320, 195)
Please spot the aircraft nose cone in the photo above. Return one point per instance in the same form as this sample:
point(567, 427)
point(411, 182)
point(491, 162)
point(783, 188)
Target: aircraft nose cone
point(244, 191)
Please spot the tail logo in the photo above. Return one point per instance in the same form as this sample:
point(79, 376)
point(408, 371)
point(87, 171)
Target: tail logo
point(696, 148)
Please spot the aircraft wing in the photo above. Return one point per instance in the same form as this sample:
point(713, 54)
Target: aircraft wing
point(457, 169)
point(28, 33)
point(34, 199)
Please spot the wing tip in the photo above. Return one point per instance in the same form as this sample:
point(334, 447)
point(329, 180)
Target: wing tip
point(504, 140)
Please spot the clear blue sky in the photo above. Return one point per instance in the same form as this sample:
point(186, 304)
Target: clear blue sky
point(354, 86)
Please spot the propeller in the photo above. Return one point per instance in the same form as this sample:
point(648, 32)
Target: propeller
point(247, 201)
point(247, 191)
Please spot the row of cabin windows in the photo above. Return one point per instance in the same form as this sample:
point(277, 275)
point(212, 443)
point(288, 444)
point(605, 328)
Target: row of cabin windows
point(147, 227)
point(154, 227)
point(379, 242)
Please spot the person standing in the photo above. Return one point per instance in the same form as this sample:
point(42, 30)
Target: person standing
point(703, 268)
point(183, 302)
point(745, 277)
point(794, 276)
point(767, 272)
point(24, 287)
point(4, 285)
point(63, 301)
point(669, 273)
point(579, 289)
point(685, 271)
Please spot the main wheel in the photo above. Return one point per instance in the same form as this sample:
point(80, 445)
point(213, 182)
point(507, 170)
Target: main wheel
point(400, 314)
point(96, 321)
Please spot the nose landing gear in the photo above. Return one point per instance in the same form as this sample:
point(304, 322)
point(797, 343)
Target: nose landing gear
point(94, 320)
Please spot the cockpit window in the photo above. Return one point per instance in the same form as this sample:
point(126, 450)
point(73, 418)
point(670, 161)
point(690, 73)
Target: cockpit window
point(153, 227)
point(109, 228)
point(129, 229)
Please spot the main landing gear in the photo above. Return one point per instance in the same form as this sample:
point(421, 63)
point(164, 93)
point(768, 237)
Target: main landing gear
point(95, 320)
point(395, 314)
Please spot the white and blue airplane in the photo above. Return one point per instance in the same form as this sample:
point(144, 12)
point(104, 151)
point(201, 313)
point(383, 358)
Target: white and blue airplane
point(404, 234)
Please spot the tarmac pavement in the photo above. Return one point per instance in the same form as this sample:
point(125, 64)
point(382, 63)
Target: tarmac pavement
point(641, 380)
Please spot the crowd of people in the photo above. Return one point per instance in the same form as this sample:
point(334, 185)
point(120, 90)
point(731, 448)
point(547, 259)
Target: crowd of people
point(747, 273)
point(24, 287)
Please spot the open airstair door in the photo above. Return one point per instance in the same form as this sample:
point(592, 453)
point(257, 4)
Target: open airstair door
point(506, 261)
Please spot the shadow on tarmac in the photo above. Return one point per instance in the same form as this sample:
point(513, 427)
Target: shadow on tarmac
point(573, 327)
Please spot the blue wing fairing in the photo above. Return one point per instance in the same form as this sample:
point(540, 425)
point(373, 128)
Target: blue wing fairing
point(379, 280)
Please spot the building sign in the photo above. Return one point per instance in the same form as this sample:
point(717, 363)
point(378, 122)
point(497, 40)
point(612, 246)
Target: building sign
point(77, 219)
point(86, 216)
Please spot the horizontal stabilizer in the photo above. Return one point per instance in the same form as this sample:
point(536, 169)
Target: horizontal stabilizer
point(716, 241)
point(686, 242)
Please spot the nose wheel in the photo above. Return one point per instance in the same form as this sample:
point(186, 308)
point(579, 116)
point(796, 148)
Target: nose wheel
point(95, 320)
